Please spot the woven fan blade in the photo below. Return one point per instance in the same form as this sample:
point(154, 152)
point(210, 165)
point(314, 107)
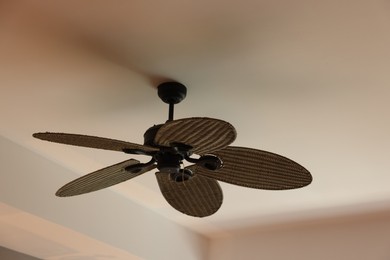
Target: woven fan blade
point(91, 141)
point(197, 197)
point(101, 179)
point(257, 169)
point(203, 134)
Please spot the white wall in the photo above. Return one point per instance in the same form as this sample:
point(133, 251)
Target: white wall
point(346, 238)
point(28, 182)
point(6, 253)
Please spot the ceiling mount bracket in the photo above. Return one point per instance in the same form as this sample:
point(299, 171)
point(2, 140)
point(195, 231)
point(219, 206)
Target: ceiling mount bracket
point(172, 92)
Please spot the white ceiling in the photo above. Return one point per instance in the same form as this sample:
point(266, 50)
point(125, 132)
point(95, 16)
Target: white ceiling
point(305, 79)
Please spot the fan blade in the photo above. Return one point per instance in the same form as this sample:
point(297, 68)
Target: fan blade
point(203, 134)
point(102, 178)
point(91, 141)
point(257, 169)
point(198, 197)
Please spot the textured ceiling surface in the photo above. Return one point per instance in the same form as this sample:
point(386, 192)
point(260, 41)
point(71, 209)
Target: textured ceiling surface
point(305, 79)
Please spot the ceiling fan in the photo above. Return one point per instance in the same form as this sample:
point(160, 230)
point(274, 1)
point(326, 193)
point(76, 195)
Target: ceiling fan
point(192, 190)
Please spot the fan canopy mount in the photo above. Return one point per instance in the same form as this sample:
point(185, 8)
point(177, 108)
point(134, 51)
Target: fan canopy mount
point(172, 92)
point(202, 142)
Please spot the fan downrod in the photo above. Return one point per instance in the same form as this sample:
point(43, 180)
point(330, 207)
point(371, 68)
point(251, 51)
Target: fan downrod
point(172, 93)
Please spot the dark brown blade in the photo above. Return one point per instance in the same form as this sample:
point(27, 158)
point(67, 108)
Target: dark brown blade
point(203, 134)
point(91, 141)
point(197, 197)
point(101, 179)
point(257, 169)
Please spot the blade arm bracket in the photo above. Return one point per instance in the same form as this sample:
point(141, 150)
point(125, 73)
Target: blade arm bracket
point(209, 162)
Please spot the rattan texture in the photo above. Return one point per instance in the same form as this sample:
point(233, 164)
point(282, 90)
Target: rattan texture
point(101, 179)
point(198, 197)
point(202, 133)
point(257, 169)
point(91, 141)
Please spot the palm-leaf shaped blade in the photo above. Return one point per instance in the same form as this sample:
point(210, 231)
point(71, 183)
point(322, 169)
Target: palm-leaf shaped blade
point(257, 169)
point(198, 197)
point(91, 141)
point(202, 133)
point(102, 178)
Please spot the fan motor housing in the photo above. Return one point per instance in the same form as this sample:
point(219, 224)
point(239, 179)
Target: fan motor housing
point(150, 134)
